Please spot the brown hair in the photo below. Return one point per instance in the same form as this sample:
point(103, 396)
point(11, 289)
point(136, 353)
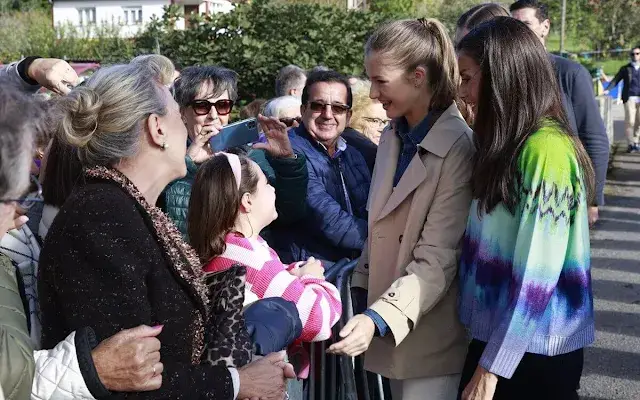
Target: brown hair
point(511, 109)
point(215, 201)
point(411, 43)
point(481, 13)
point(252, 109)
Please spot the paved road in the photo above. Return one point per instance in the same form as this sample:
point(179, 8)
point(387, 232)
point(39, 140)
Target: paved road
point(612, 365)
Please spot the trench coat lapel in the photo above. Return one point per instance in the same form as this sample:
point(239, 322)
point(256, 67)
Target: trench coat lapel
point(438, 142)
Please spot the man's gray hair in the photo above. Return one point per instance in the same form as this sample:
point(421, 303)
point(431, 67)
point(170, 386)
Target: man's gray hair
point(275, 106)
point(289, 77)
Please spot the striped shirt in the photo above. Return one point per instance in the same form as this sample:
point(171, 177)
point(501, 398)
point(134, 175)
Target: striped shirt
point(318, 301)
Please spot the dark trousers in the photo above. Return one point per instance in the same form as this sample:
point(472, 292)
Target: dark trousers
point(537, 377)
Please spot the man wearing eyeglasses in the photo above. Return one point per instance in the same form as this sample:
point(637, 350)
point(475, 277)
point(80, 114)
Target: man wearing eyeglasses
point(339, 179)
point(630, 76)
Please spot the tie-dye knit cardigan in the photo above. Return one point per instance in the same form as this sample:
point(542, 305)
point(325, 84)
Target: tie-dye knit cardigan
point(525, 277)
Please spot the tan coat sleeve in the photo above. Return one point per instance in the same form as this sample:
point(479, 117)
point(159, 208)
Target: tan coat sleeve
point(360, 277)
point(436, 254)
point(16, 352)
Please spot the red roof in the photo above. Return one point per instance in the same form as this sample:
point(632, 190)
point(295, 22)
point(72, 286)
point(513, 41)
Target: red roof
point(81, 68)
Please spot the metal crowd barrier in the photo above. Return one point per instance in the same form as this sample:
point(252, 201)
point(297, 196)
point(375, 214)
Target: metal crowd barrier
point(339, 377)
point(605, 104)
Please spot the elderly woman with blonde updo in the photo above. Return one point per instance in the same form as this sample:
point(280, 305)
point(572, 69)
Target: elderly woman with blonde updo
point(113, 260)
point(369, 117)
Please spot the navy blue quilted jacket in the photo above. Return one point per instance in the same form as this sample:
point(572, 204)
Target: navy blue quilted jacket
point(336, 223)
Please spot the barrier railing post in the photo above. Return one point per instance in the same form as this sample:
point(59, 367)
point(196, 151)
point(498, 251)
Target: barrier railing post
point(605, 104)
point(312, 371)
point(337, 375)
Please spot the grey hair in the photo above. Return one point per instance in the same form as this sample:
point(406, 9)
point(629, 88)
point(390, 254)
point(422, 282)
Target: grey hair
point(21, 117)
point(275, 106)
point(162, 67)
point(289, 77)
point(191, 79)
point(104, 117)
point(319, 68)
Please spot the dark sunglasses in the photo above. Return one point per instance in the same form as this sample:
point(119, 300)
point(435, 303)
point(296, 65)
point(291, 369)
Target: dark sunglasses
point(203, 107)
point(336, 108)
point(27, 201)
point(290, 121)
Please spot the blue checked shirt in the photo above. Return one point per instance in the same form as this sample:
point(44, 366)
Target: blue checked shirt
point(410, 139)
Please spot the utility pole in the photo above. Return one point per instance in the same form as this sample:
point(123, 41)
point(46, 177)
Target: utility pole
point(563, 25)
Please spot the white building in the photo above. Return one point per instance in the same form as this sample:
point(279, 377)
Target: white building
point(129, 15)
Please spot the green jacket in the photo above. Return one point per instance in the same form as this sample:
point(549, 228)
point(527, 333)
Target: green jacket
point(289, 177)
point(17, 364)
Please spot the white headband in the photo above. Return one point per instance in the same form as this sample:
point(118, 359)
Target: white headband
point(234, 162)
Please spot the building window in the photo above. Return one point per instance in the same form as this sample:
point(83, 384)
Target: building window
point(87, 16)
point(132, 15)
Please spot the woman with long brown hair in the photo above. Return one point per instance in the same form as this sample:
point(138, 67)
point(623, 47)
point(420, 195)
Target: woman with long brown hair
point(525, 272)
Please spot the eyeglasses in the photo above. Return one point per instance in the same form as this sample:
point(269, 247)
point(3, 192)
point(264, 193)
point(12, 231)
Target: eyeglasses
point(379, 121)
point(203, 107)
point(289, 122)
point(336, 108)
point(34, 196)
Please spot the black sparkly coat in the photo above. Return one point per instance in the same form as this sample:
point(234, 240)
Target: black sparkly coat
point(106, 263)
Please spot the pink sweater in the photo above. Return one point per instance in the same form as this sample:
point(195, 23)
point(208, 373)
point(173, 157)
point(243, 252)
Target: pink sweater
point(318, 301)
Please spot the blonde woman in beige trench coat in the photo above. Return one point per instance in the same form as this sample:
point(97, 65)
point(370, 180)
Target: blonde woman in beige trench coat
point(418, 208)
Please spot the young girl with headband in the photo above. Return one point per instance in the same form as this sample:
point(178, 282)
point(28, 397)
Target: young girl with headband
point(231, 202)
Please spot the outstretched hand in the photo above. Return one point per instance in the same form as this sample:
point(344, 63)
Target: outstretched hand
point(356, 337)
point(278, 144)
point(55, 75)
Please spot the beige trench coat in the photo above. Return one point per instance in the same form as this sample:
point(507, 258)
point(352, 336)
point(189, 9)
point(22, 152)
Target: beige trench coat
point(410, 261)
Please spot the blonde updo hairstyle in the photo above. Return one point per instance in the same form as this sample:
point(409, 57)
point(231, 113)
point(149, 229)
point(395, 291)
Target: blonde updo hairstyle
point(161, 66)
point(361, 101)
point(413, 43)
point(105, 116)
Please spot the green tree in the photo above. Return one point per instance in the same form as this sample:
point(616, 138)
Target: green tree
point(617, 23)
point(402, 8)
point(30, 33)
point(255, 40)
point(23, 5)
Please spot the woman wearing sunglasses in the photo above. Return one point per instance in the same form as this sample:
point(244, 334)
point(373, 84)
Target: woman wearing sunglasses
point(206, 96)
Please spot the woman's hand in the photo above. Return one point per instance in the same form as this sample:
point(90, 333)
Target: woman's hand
point(357, 336)
point(278, 144)
point(129, 361)
point(55, 75)
point(482, 385)
point(265, 378)
point(199, 150)
point(312, 267)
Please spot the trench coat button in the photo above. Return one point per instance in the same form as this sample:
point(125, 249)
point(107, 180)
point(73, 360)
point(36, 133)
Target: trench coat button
point(366, 266)
point(392, 294)
point(400, 239)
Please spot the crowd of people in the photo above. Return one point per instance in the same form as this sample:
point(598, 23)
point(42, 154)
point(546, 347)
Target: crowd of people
point(463, 173)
